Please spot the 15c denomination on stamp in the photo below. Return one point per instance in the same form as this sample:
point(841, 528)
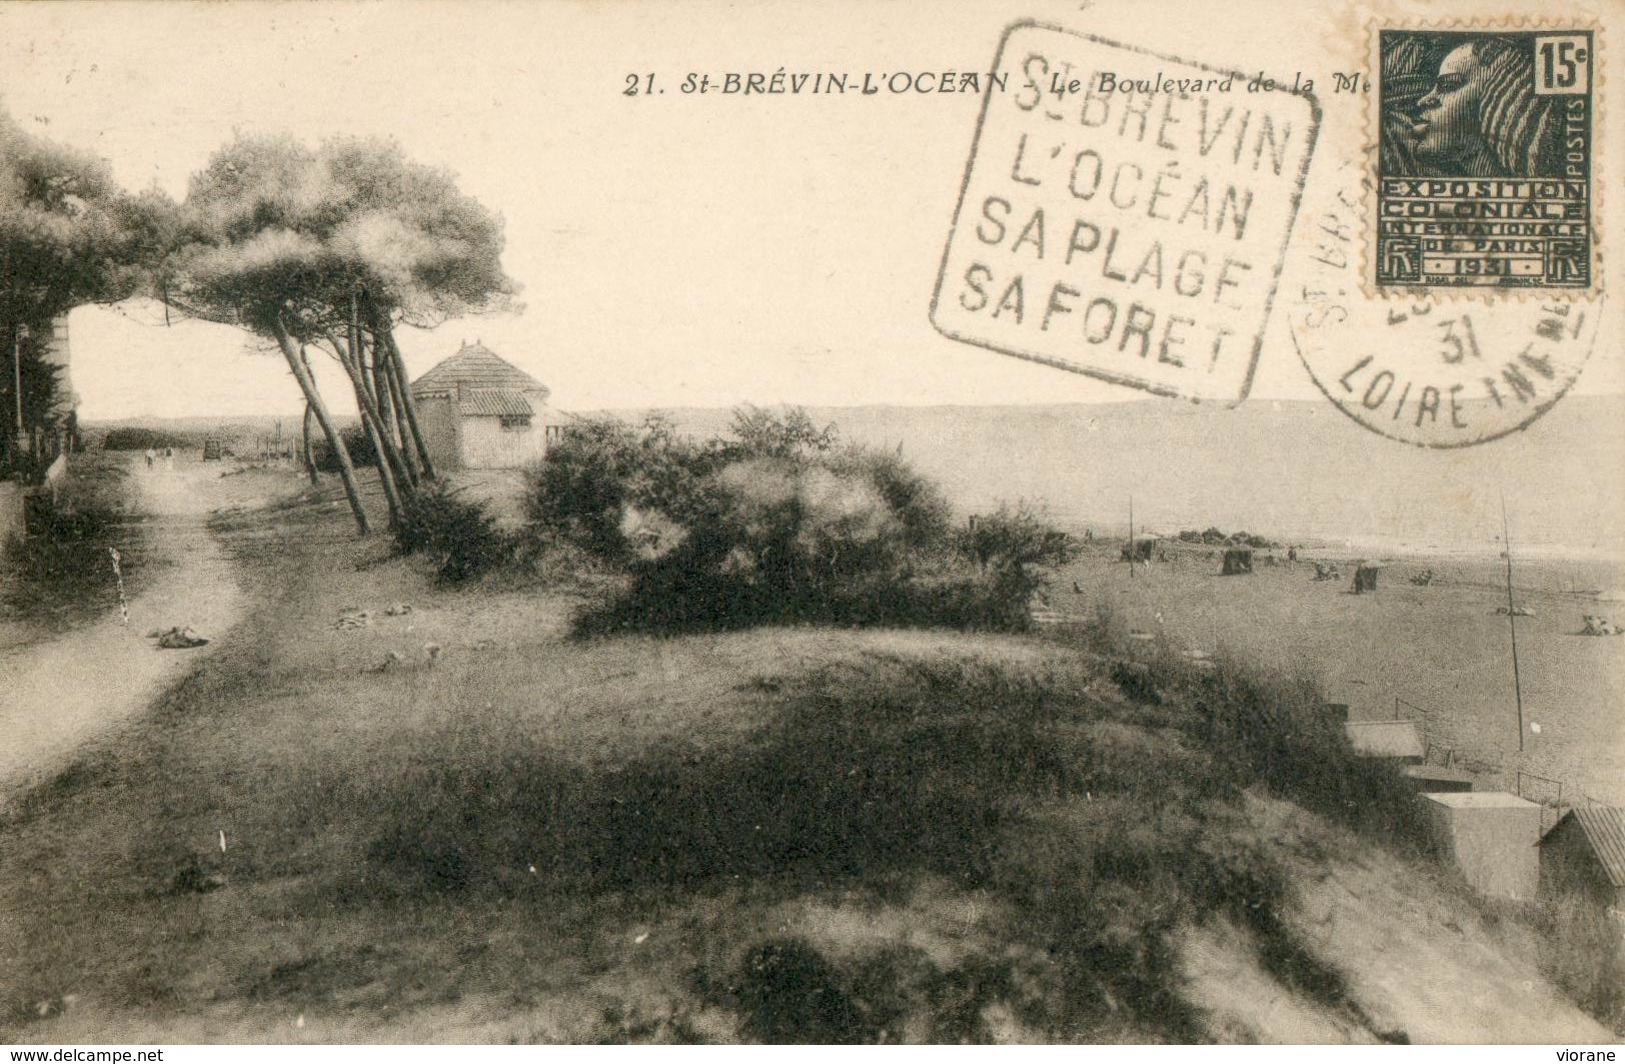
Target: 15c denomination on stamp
point(1484, 159)
point(1131, 226)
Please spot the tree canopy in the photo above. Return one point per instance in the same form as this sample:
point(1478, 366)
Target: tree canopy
point(66, 239)
point(65, 232)
point(271, 226)
point(327, 247)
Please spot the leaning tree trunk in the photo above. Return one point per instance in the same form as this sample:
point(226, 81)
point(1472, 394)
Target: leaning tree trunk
point(307, 451)
point(397, 411)
point(307, 384)
point(369, 422)
point(390, 420)
point(389, 454)
point(404, 386)
point(378, 323)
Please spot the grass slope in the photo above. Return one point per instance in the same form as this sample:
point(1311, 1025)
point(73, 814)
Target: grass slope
point(777, 834)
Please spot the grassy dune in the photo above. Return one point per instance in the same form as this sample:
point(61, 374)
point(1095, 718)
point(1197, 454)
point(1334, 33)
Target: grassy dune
point(502, 833)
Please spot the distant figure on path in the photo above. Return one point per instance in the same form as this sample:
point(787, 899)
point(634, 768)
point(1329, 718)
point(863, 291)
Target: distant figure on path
point(169, 459)
point(152, 455)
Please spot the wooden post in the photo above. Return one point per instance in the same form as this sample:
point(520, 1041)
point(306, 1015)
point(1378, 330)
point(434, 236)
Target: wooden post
point(309, 452)
point(1512, 620)
point(1131, 537)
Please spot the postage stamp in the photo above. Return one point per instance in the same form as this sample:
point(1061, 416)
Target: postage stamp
point(1423, 369)
point(1484, 156)
point(1125, 214)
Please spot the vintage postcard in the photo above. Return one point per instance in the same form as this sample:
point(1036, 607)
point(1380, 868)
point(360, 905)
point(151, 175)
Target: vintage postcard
point(1017, 522)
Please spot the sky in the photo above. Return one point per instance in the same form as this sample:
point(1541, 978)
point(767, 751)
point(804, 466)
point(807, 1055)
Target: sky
point(673, 251)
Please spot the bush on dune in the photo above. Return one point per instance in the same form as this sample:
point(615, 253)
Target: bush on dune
point(460, 539)
point(1271, 727)
point(356, 443)
point(1275, 727)
point(601, 470)
point(776, 523)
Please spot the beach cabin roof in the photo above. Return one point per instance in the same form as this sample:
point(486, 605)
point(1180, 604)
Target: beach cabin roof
point(1603, 828)
point(494, 402)
point(476, 367)
point(1386, 738)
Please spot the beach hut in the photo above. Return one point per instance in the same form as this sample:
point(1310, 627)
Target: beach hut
point(1437, 779)
point(1141, 548)
point(1238, 560)
point(479, 411)
point(1491, 837)
point(1395, 740)
point(1365, 578)
point(1584, 853)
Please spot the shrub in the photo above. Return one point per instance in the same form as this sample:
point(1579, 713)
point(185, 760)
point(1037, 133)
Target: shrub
point(1273, 728)
point(601, 469)
point(64, 560)
point(140, 439)
point(852, 538)
point(1015, 538)
point(1014, 545)
point(918, 504)
point(356, 442)
point(775, 522)
point(460, 538)
point(765, 433)
point(788, 993)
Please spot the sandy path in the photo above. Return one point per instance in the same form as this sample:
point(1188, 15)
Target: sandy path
point(59, 695)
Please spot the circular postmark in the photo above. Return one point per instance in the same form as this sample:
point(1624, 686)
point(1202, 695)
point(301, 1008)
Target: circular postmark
point(1425, 369)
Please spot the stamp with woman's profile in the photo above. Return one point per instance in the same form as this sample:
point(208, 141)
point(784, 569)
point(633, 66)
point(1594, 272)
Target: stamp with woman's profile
point(1484, 160)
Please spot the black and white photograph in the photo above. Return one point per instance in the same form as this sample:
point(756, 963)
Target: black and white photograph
point(600, 523)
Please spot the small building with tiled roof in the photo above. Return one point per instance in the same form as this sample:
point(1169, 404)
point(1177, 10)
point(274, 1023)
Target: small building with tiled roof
point(479, 411)
point(1584, 853)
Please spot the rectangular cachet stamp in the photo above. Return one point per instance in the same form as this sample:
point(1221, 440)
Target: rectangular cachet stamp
point(1125, 214)
point(1484, 156)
